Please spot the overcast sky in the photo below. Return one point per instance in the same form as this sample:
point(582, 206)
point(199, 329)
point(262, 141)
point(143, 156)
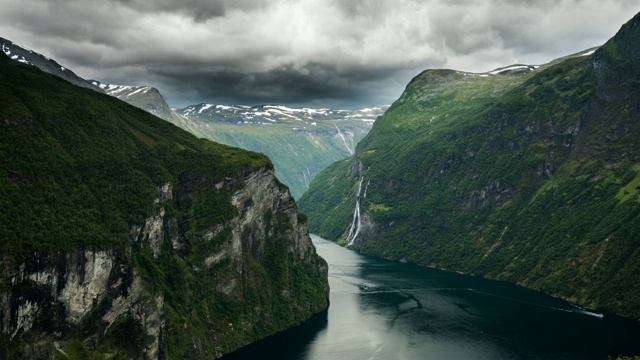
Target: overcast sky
point(323, 53)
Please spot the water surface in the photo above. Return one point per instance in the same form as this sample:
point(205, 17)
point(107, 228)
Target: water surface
point(388, 310)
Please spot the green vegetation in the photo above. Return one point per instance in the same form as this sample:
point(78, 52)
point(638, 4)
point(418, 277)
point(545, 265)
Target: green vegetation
point(525, 177)
point(299, 151)
point(77, 163)
point(80, 169)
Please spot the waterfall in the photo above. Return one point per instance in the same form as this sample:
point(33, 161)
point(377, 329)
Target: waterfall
point(343, 139)
point(354, 230)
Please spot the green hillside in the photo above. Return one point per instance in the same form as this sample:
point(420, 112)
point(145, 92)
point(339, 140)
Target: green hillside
point(297, 156)
point(300, 141)
point(528, 176)
point(84, 173)
point(80, 160)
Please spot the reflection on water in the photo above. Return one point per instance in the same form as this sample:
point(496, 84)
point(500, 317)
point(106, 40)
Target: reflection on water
point(387, 310)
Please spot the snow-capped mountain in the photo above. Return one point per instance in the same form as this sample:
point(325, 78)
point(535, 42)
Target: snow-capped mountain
point(270, 114)
point(300, 141)
point(122, 91)
point(26, 56)
point(145, 97)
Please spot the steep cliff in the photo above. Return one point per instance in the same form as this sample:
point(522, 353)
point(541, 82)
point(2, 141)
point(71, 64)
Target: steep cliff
point(526, 174)
point(126, 237)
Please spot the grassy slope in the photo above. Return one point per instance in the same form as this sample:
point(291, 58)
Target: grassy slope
point(531, 179)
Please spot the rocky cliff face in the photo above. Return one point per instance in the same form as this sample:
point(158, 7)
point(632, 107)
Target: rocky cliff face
point(52, 296)
point(47, 299)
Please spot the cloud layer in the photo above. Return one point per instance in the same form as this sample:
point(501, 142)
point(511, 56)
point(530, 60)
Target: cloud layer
point(313, 52)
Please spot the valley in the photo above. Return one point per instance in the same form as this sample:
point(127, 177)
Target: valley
point(483, 215)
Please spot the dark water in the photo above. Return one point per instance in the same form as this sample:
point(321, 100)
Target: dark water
point(387, 310)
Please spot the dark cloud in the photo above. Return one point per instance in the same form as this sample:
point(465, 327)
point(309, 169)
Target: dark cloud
point(199, 10)
point(319, 52)
point(314, 83)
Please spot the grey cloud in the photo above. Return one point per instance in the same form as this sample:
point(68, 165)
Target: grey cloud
point(301, 51)
point(199, 10)
point(371, 9)
point(287, 84)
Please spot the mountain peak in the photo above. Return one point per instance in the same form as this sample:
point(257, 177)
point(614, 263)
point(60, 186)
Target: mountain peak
point(42, 62)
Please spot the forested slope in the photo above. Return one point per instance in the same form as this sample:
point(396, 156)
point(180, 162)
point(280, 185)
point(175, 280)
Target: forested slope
point(123, 236)
point(529, 175)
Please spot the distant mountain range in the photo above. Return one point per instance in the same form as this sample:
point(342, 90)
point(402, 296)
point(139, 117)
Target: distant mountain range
point(299, 141)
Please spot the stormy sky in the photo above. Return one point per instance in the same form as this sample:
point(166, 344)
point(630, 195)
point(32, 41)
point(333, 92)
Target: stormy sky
point(322, 53)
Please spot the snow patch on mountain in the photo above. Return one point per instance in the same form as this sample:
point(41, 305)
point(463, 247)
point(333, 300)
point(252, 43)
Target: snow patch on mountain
point(121, 91)
point(265, 114)
point(512, 68)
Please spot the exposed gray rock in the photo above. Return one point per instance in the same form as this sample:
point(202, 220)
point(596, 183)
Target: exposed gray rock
point(54, 295)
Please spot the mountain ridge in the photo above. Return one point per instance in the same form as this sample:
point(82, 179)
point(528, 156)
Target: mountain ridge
point(303, 142)
point(129, 238)
point(44, 63)
point(300, 141)
point(529, 178)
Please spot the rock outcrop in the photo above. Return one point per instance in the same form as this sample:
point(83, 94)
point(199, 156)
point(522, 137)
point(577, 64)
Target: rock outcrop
point(53, 295)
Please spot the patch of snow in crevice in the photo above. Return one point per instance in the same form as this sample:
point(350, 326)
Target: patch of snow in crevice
point(283, 113)
point(315, 111)
point(142, 89)
point(205, 107)
point(511, 68)
point(589, 52)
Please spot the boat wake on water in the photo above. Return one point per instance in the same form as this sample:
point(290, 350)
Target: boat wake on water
point(576, 309)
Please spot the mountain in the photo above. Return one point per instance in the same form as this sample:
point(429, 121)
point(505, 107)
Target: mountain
point(126, 237)
point(146, 98)
point(524, 174)
point(299, 141)
point(26, 56)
